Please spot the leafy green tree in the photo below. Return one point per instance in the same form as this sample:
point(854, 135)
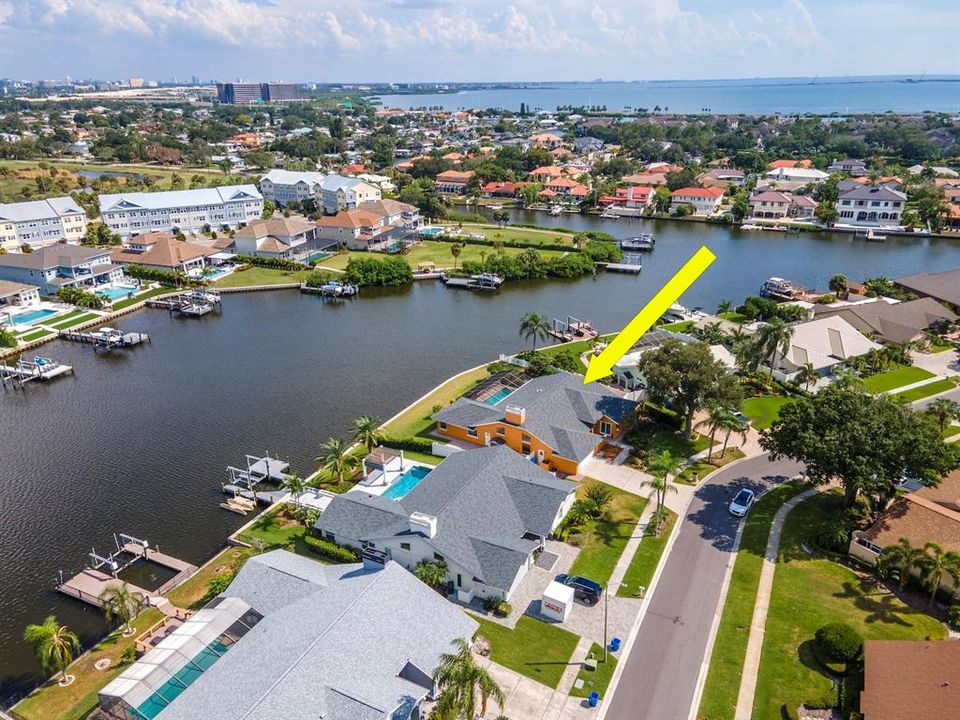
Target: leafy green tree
point(56, 646)
point(366, 431)
point(773, 339)
point(8, 338)
point(461, 683)
point(724, 306)
point(269, 208)
point(121, 604)
point(740, 206)
point(336, 458)
point(838, 285)
point(867, 442)
point(534, 325)
point(662, 199)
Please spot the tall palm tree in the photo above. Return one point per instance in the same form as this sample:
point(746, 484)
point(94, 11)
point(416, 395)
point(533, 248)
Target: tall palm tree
point(534, 325)
point(460, 680)
point(838, 285)
point(712, 423)
point(661, 467)
point(366, 430)
point(943, 411)
point(773, 339)
point(724, 306)
point(54, 643)
point(455, 250)
point(807, 376)
point(122, 605)
point(730, 424)
point(934, 564)
point(903, 556)
point(336, 458)
point(294, 485)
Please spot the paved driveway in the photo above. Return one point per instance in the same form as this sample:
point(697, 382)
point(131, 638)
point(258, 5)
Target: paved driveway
point(660, 676)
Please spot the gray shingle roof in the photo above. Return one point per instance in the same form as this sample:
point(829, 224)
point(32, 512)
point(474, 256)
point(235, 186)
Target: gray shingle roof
point(943, 286)
point(892, 322)
point(873, 193)
point(333, 643)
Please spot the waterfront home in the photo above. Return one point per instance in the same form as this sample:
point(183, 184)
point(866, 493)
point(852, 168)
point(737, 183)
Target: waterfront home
point(627, 373)
point(546, 173)
point(824, 343)
point(851, 166)
point(722, 178)
point(381, 181)
point(635, 197)
point(779, 205)
point(284, 186)
point(41, 222)
point(189, 211)
point(871, 207)
point(943, 286)
point(162, 251)
point(554, 420)
point(17, 295)
point(705, 201)
point(567, 189)
point(276, 237)
point(370, 226)
point(344, 642)
point(60, 266)
point(916, 679)
point(505, 189)
point(795, 177)
point(483, 513)
point(891, 322)
point(650, 178)
point(346, 193)
point(453, 182)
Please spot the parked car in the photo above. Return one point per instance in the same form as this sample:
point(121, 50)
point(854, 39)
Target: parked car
point(742, 503)
point(744, 420)
point(584, 589)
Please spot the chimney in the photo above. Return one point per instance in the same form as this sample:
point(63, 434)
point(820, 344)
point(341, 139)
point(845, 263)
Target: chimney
point(424, 524)
point(374, 559)
point(515, 415)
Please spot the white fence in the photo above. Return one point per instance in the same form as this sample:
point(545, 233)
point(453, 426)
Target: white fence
point(443, 449)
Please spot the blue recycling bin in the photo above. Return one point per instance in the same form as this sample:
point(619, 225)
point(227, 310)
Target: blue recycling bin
point(615, 644)
point(594, 698)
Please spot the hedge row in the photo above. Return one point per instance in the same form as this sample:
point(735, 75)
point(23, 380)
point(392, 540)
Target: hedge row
point(330, 550)
point(273, 263)
point(415, 444)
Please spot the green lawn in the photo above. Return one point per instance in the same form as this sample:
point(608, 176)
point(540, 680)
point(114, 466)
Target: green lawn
point(192, 593)
point(893, 379)
point(765, 409)
point(809, 592)
point(35, 335)
point(533, 648)
point(729, 651)
point(939, 346)
point(422, 457)
point(278, 529)
point(602, 541)
point(596, 680)
point(75, 320)
point(734, 317)
point(578, 347)
point(510, 234)
point(703, 468)
point(146, 295)
point(416, 418)
point(677, 444)
point(434, 251)
point(255, 275)
point(646, 558)
point(927, 390)
point(679, 327)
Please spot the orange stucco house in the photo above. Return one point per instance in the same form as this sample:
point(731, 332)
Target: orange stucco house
point(555, 420)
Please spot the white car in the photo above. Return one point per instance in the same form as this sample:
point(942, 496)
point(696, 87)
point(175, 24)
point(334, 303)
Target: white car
point(742, 503)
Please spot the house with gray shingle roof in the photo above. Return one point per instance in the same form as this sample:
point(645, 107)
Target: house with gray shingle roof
point(483, 513)
point(555, 420)
point(295, 639)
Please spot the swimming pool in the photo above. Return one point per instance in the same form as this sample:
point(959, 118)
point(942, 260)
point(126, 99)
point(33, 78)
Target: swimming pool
point(406, 482)
point(28, 318)
point(116, 293)
point(172, 688)
point(215, 273)
point(314, 257)
point(498, 396)
point(431, 231)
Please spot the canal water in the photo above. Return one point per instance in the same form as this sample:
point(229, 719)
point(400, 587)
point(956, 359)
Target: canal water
point(138, 442)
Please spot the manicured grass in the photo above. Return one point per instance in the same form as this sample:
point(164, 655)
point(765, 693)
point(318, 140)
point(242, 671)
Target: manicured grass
point(422, 457)
point(146, 295)
point(939, 346)
point(78, 699)
point(765, 409)
point(578, 347)
point(734, 317)
point(35, 335)
point(416, 418)
point(602, 541)
point(808, 593)
point(278, 529)
point(677, 444)
point(192, 593)
point(703, 468)
point(533, 648)
point(75, 320)
point(254, 275)
point(646, 558)
point(892, 379)
point(730, 648)
point(433, 251)
point(510, 234)
point(918, 393)
point(684, 326)
point(597, 680)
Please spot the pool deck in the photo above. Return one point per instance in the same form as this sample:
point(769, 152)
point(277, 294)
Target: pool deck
point(391, 477)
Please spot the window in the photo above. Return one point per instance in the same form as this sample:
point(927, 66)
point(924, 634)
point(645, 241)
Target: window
point(331, 537)
point(501, 431)
point(472, 432)
point(405, 546)
point(438, 557)
point(605, 428)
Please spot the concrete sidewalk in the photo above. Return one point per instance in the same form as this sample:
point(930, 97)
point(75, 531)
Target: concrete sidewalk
point(751, 666)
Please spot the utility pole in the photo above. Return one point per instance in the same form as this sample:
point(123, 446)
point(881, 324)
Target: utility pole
point(605, 601)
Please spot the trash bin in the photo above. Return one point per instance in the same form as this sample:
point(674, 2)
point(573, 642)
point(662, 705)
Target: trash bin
point(615, 644)
point(594, 698)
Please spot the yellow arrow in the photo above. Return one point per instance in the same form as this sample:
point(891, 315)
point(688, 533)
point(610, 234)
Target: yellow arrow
point(601, 365)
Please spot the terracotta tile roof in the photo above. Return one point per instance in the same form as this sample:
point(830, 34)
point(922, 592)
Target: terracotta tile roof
point(922, 516)
point(167, 251)
point(776, 164)
point(697, 192)
point(911, 680)
point(351, 219)
point(651, 178)
point(276, 225)
point(454, 176)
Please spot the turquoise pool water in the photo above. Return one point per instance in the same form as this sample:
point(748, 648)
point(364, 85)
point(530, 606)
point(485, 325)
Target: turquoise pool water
point(28, 318)
point(117, 293)
point(406, 482)
point(214, 273)
point(431, 231)
point(172, 688)
point(314, 257)
point(498, 396)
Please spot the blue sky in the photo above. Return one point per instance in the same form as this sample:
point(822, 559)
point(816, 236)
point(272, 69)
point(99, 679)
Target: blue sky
point(452, 40)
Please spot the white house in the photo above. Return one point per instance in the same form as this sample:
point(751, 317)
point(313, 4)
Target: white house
point(800, 175)
point(345, 193)
point(706, 201)
point(823, 343)
point(284, 186)
point(41, 222)
point(189, 211)
point(871, 207)
point(280, 237)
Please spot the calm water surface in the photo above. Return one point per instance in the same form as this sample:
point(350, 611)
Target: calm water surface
point(138, 442)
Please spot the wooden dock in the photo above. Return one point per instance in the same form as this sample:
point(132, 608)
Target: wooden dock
point(105, 338)
point(571, 329)
point(194, 303)
point(39, 368)
point(332, 289)
point(631, 263)
point(485, 282)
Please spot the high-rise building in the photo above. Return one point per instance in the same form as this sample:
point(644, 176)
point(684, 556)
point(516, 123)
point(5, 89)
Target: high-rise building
point(278, 92)
point(247, 93)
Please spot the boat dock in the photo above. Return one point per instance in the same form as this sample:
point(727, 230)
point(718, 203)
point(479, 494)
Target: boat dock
point(40, 368)
point(331, 289)
point(244, 482)
point(105, 338)
point(485, 281)
point(571, 329)
point(638, 243)
point(194, 303)
point(631, 263)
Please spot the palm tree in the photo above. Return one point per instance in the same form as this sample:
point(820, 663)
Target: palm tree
point(294, 485)
point(838, 285)
point(534, 325)
point(430, 573)
point(943, 411)
point(120, 604)
point(460, 680)
point(336, 458)
point(724, 306)
point(807, 376)
point(455, 250)
point(731, 425)
point(366, 430)
point(774, 338)
point(934, 564)
point(712, 422)
point(903, 556)
point(55, 645)
point(661, 466)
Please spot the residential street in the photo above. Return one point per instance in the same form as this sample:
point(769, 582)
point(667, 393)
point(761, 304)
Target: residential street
point(660, 676)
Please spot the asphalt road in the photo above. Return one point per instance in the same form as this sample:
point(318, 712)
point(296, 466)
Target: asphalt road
point(660, 675)
point(926, 402)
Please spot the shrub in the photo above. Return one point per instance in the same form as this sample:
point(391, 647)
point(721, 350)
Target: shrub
point(953, 616)
point(837, 643)
point(490, 603)
point(375, 271)
point(129, 654)
point(502, 608)
point(273, 263)
point(318, 278)
point(220, 582)
point(80, 298)
point(330, 550)
point(162, 276)
point(416, 444)
point(7, 338)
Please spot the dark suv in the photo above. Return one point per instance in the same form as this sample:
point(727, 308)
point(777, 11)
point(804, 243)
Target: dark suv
point(584, 589)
